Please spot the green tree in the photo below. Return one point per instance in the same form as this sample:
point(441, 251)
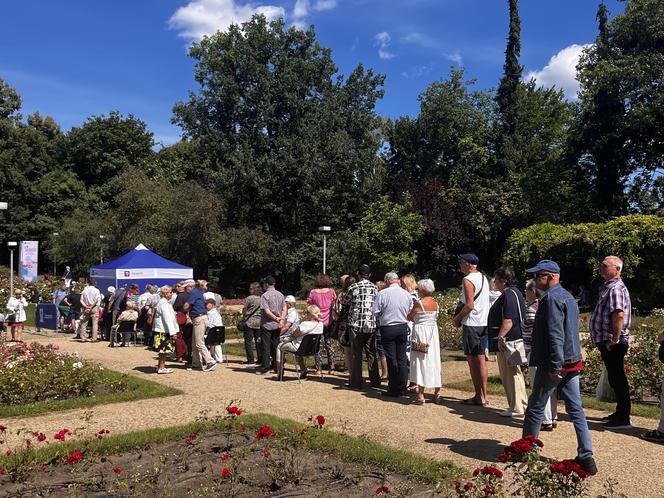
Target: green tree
point(389, 232)
point(290, 142)
point(619, 134)
point(507, 95)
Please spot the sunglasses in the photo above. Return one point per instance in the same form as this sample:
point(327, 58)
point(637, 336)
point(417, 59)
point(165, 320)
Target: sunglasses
point(604, 265)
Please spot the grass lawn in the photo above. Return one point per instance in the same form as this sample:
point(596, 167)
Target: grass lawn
point(495, 386)
point(136, 389)
point(349, 448)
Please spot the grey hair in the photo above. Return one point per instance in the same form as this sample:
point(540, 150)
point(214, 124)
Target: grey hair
point(530, 286)
point(426, 285)
point(390, 276)
point(165, 288)
point(616, 261)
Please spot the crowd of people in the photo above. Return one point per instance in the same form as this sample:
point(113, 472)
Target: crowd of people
point(392, 325)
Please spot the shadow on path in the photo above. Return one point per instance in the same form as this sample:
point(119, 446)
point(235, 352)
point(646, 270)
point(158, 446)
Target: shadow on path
point(480, 449)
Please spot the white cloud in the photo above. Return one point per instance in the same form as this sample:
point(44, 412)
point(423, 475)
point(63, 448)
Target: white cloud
point(455, 57)
point(205, 17)
point(321, 5)
point(560, 71)
point(421, 39)
point(382, 41)
point(417, 71)
point(300, 13)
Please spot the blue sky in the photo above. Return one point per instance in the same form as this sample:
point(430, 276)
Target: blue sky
point(71, 59)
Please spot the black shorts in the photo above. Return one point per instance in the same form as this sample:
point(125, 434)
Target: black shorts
point(474, 340)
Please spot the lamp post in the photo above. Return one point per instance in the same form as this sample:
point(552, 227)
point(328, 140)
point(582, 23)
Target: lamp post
point(55, 258)
point(101, 249)
point(12, 246)
point(324, 230)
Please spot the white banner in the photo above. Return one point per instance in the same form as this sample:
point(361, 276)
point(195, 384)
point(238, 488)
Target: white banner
point(29, 259)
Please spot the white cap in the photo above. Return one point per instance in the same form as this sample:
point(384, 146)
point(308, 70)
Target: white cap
point(290, 299)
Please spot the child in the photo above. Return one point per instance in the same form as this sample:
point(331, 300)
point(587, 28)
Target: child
point(214, 329)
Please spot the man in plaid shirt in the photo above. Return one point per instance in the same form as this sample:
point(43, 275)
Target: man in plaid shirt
point(362, 327)
point(609, 330)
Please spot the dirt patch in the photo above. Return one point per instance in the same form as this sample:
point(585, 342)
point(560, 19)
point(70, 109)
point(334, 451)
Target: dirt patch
point(219, 463)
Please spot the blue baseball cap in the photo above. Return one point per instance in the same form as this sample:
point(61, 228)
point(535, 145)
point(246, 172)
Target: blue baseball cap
point(470, 258)
point(545, 265)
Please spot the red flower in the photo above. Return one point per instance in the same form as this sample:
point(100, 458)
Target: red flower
point(505, 457)
point(489, 470)
point(566, 467)
point(320, 420)
point(468, 486)
point(8, 453)
point(117, 470)
point(628, 370)
point(487, 490)
point(3, 428)
point(233, 410)
point(382, 489)
point(60, 435)
point(225, 456)
point(2, 471)
point(266, 454)
point(191, 437)
point(74, 457)
point(101, 432)
point(225, 472)
point(40, 436)
point(265, 432)
point(476, 472)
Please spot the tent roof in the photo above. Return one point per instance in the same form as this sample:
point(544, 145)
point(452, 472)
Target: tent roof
point(141, 257)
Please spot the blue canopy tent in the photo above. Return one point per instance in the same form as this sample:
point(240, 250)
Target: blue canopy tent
point(140, 266)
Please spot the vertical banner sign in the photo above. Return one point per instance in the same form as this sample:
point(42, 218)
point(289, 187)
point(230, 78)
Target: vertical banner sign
point(29, 259)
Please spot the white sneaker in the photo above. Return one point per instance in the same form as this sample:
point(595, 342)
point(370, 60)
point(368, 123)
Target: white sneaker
point(210, 367)
point(165, 371)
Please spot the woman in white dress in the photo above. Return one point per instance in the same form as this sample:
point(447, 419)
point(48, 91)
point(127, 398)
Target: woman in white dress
point(425, 366)
point(16, 314)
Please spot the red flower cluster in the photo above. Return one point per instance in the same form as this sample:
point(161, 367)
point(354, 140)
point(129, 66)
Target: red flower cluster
point(60, 435)
point(191, 437)
point(382, 489)
point(233, 410)
point(566, 467)
point(101, 432)
point(266, 454)
point(265, 432)
point(519, 448)
point(628, 370)
point(488, 470)
point(40, 436)
point(2, 471)
point(225, 472)
point(225, 456)
point(74, 457)
point(468, 486)
point(320, 420)
point(487, 490)
point(117, 470)
point(3, 428)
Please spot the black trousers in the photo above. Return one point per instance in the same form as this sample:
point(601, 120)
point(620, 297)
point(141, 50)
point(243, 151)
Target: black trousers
point(269, 340)
point(363, 343)
point(252, 336)
point(614, 361)
point(394, 339)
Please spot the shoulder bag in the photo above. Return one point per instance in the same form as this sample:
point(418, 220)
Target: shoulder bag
point(421, 347)
point(516, 351)
point(460, 305)
point(242, 324)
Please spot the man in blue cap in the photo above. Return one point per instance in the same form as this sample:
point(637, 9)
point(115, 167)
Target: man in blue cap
point(556, 352)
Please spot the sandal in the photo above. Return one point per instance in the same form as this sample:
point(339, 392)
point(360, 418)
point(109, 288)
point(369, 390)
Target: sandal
point(417, 402)
point(472, 401)
point(438, 400)
point(654, 436)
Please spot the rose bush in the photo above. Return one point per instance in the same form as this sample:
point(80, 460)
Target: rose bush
point(37, 372)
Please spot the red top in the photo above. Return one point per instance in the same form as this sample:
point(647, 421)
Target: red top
point(573, 367)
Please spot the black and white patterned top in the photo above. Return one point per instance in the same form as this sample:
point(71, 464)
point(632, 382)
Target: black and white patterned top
point(359, 298)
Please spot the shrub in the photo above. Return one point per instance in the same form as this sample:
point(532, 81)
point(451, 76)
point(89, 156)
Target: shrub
point(36, 372)
point(450, 336)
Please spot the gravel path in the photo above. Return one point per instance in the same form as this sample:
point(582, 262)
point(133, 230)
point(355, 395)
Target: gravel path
point(464, 434)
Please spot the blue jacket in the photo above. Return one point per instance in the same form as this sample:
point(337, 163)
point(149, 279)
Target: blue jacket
point(555, 339)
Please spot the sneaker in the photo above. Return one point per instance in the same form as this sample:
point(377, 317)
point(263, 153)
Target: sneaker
point(654, 436)
point(618, 424)
point(506, 413)
point(164, 371)
point(210, 366)
point(587, 464)
point(250, 364)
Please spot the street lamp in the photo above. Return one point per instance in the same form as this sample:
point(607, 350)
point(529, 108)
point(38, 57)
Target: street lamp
point(55, 258)
point(324, 230)
point(101, 248)
point(12, 246)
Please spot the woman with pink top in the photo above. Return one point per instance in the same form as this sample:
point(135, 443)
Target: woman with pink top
point(323, 296)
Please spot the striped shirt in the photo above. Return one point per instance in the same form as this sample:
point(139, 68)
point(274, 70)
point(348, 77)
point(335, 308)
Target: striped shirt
point(613, 296)
point(528, 322)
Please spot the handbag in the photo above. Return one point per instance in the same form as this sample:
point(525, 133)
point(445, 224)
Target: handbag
point(460, 305)
point(516, 351)
point(242, 324)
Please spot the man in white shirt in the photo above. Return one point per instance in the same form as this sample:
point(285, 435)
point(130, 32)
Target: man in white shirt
point(90, 303)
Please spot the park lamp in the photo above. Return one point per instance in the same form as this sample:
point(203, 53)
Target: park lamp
point(12, 245)
point(324, 230)
point(4, 205)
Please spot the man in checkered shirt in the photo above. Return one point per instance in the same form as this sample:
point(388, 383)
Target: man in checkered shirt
point(362, 327)
point(609, 330)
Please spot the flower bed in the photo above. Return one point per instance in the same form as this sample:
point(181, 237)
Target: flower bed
point(34, 372)
point(227, 458)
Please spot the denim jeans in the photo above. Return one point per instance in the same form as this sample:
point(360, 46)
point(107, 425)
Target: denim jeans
point(568, 390)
